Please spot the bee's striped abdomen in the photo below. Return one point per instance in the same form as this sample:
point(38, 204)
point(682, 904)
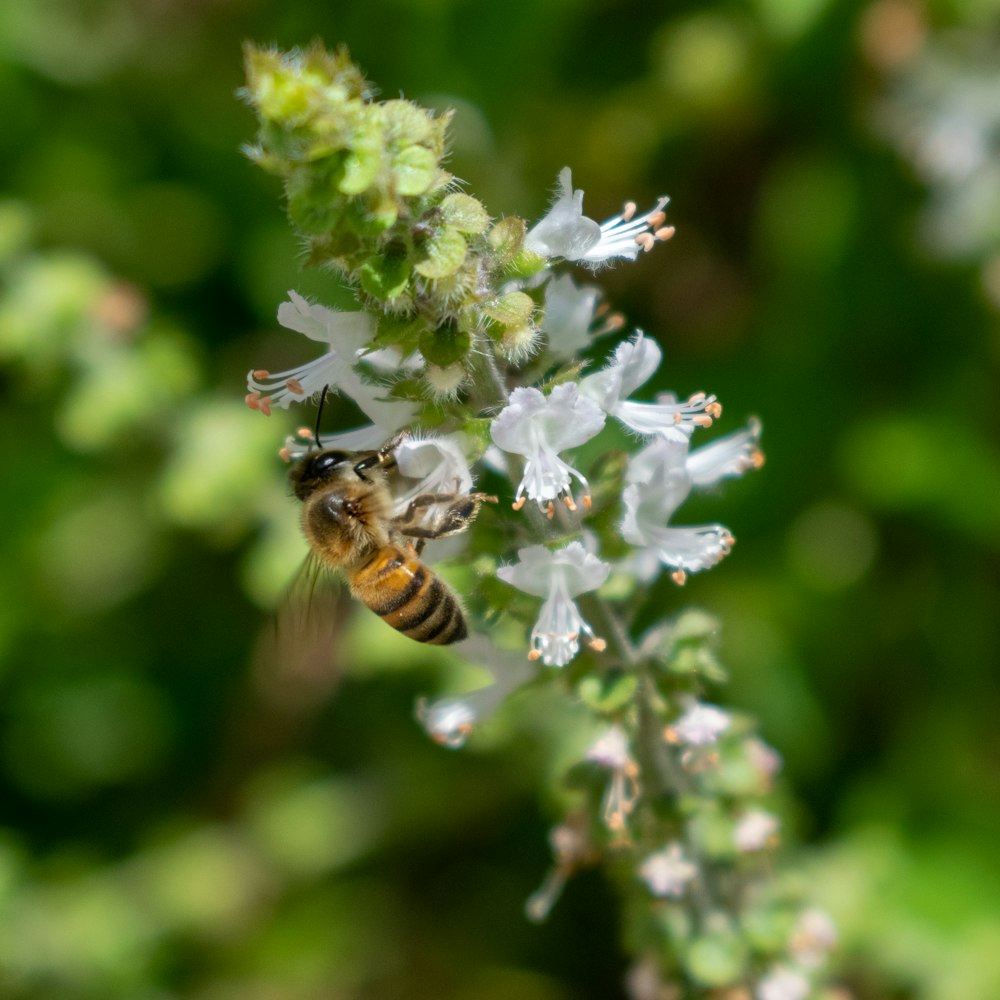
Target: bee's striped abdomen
point(411, 598)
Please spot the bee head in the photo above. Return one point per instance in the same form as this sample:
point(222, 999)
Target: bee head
point(318, 468)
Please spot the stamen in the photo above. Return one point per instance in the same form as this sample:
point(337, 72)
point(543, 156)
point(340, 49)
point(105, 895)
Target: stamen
point(702, 420)
point(258, 402)
point(586, 501)
point(657, 220)
point(646, 240)
point(518, 503)
point(540, 902)
point(550, 511)
point(260, 373)
point(597, 644)
point(305, 432)
point(664, 233)
point(455, 738)
point(285, 455)
point(714, 409)
point(679, 577)
point(570, 504)
point(757, 459)
point(534, 654)
point(294, 385)
point(614, 322)
point(628, 211)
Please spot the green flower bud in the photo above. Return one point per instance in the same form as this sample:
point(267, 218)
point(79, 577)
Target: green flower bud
point(512, 309)
point(415, 170)
point(445, 346)
point(444, 254)
point(364, 161)
point(385, 278)
point(507, 237)
point(464, 213)
point(406, 123)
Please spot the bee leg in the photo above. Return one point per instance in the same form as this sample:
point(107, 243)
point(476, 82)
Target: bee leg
point(385, 456)
point(457, 516)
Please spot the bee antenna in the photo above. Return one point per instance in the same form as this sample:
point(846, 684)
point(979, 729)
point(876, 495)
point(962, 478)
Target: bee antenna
point(319, 416)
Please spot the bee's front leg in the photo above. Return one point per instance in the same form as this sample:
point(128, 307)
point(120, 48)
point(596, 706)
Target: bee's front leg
point(459, 513)
point(385, 456)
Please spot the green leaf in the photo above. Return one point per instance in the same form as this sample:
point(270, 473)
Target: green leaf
point(610, 693)
point(716, 959)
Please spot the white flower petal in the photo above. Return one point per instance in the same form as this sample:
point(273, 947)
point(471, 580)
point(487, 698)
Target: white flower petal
point(701, 725)
point(633, 364)
point(610, 749)
point(755, 830)
point(668, 872)
point(569, 316)
point(783, 983)
point(538, 570)
point(687, 549)
point(344, 332)
point(564, 231)
point(732, 455)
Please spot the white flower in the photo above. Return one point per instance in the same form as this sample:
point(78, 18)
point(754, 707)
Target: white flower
point(668, 872)
point(347, 336)
point(700, 726)
point(437, 463)
point(539, 427)
point(558, 577)
point(658, 483)
point(765, 760)
point(564, 231)
point(783, 983)
point(570, 314)
point(813, 938)
point(755, 830)
point(633, 364)
point(611, 751)
point(448, 721)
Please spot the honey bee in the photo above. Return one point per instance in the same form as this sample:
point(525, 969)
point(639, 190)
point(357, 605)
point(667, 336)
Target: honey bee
point(349, 522)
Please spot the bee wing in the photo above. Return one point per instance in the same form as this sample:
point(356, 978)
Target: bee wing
point(297, 659)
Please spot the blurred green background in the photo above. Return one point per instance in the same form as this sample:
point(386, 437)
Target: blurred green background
point(182, 814)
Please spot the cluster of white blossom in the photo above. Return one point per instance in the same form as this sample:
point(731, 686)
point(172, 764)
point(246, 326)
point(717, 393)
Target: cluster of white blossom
point(542, 428)
point(533, 431)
